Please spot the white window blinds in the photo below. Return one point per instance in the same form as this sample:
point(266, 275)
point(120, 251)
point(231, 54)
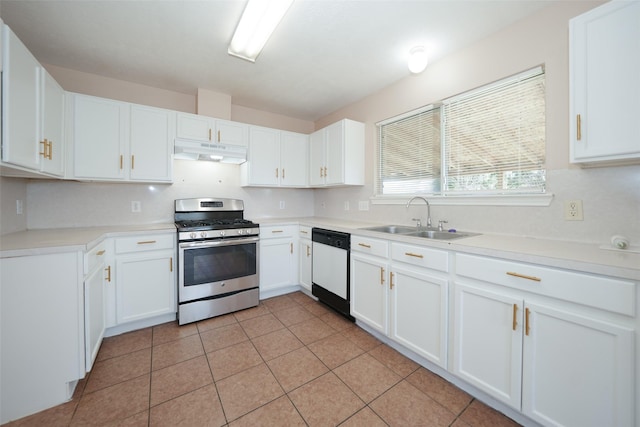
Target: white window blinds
point(494, 137)
point(410, 156)
point(490, 140)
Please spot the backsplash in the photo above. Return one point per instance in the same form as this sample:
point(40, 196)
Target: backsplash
point(610, 196)
point(84, 204)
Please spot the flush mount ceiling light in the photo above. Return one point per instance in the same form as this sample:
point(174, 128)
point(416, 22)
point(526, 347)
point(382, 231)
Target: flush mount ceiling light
point(418, 59)
point(259, 19)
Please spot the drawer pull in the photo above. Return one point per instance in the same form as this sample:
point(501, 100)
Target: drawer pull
point(524, 276)
point(413, 255)
point(364, 245)
point(391, 280)
point(578, 127)
point(100, 253)
point(277, 231)
point(515, 312)
point(304, 232)
point(147, 242)
point(381, 276)
point(108, 270)
point(526, 321)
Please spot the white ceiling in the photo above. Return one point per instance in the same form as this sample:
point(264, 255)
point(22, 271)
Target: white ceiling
point(324, 55)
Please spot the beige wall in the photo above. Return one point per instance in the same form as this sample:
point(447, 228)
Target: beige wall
point(539, 39)
point(611, 201)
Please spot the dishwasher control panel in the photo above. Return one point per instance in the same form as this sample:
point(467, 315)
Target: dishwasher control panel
point(331, 238)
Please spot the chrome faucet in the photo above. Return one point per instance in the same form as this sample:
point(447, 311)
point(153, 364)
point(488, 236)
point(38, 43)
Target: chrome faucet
point(428, 208)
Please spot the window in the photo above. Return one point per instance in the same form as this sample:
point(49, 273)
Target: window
point(487, 141)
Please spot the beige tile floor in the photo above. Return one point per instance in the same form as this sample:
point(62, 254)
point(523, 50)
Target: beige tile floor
point(288, 362)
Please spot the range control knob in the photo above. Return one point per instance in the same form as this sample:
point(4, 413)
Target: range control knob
point(223, 233)
point(203, 234)
point(240, 231)
point(193, 235)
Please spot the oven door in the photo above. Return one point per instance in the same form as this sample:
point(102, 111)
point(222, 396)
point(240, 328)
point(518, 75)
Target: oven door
point(211, 268)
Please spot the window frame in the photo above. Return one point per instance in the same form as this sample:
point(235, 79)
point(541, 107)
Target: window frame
point(477, 198)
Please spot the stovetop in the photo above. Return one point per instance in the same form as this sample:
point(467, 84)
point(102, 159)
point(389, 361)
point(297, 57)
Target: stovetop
point(214, 224)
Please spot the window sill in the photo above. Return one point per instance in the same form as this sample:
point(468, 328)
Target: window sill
point(488, 200)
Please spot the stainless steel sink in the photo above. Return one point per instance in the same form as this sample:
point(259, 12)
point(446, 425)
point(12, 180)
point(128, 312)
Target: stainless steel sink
point(406, 230)
point(439, 235)
point(393, 229)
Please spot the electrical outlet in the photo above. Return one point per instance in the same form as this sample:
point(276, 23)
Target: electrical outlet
point(19, 209)
point(323, 205)
point(573, 210)
point(363, 205)
point(281, 204)
point(136, 206)
point(346, 205)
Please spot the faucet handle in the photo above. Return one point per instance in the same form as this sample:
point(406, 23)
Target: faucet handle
point(442, 221)
point(419, 223)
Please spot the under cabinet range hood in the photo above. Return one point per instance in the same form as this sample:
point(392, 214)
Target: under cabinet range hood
point(194, 150)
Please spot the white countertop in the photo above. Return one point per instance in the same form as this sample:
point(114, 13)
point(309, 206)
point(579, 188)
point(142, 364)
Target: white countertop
point(52, 240)
point(584, 257)
point(578, 256)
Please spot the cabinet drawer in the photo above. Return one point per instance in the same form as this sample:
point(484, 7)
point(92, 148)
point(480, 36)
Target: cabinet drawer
point(420, 256)
point(370, 246)
point(596, 291)
point(148, 242)
point(279, 231)
point(95, 257)
point(305, 232)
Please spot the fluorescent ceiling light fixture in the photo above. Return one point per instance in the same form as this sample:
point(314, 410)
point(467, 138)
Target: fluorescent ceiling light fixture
point(259, 19)
point(418, 59)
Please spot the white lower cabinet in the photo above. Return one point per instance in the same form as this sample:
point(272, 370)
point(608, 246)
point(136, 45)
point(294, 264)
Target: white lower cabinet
point(278, 259)
point(305, 257)
point(41, 332)
point(402, 295)
point(97, 278)
point(559, 362)
point(145, 277)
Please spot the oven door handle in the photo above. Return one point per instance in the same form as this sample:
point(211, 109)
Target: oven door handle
point(221, 242)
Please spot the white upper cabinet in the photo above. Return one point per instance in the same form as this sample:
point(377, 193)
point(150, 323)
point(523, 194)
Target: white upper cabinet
point(337, 155)
point(32, 113)
point(100, 138)
point(275, 158)
point(210, 130)
point(152, 131)
point(118, 141)
point(604, 84)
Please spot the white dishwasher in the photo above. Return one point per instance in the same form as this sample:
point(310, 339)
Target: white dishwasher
point(330, 269)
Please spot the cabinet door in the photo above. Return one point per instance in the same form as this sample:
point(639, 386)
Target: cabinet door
point(52, 125)
point(317, 158)
point(94, 314)
point(20, 103)
point(293, 159)
point(192, 126)
point(145, 286)
point(264, 156)
point(305, 263)
point(100, 138)
point(334, 139)
point(369, 291)
point(595, 361)
point(232, 133)
point(152, 138)
point(276, 264)
point(605, 88)
point(418, 312)
point(487, 348)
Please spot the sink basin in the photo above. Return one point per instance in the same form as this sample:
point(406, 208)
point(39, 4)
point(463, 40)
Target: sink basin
point(406, 230)
point(439, 235)
point(393, 229)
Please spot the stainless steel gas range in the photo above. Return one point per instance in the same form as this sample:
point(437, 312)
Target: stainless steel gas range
point(218, 258)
